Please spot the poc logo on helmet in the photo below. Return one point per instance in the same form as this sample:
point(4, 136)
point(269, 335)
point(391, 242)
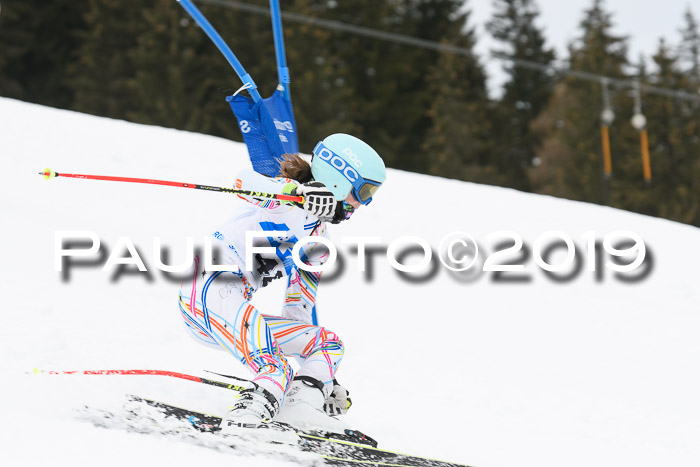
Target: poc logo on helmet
point(339, 163)
point(353, 157)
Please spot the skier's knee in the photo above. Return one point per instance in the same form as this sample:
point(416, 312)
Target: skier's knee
point(330, 342)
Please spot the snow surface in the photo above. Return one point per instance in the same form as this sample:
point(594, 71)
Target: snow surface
point(485, 373)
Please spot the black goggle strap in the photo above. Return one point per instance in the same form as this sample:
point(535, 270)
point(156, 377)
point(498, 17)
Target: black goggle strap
point(343, 211)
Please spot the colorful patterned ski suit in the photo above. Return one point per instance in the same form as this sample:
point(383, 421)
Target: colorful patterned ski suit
point(216, 308)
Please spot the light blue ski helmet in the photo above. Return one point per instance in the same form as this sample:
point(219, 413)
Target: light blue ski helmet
point(346, 164)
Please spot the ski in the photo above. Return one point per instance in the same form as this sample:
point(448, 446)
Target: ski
point(340, 449)
point(349, 448)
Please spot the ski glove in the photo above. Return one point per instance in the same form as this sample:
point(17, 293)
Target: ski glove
point(338, 402)
point(318, 200)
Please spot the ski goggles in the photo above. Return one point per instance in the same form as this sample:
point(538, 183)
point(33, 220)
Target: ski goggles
point(362, 188)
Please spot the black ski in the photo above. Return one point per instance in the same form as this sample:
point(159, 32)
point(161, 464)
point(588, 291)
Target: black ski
point(351, 448)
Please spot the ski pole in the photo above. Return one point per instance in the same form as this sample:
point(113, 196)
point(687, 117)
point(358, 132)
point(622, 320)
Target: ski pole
point(171, 374)
point(48, 173)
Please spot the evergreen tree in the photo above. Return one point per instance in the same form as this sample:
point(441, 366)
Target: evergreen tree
point(571, 154)
point(458, 141)
point(321, 99)
point(675, 195)
point(577, 106)
point(335, 73)
point(690, 47)
point(527, 91)
point(101, 75)
point(415, 71)
point(384, 84)
point(629, 191)
point(181, 78)
point(151, 63)
point(39, 40)
point(689, 61)
point(15, 47)
point(377, 90)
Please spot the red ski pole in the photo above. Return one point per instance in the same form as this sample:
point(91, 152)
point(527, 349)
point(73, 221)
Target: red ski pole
point(171, 374)
point(48, 173)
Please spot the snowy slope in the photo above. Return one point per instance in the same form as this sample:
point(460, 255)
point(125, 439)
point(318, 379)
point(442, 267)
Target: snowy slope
point(587, 372)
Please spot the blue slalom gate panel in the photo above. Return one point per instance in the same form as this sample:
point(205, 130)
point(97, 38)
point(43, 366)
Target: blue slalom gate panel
point(268, 129)
point(267, 125)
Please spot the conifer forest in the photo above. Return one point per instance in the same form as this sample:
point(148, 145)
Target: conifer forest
point(596, 125)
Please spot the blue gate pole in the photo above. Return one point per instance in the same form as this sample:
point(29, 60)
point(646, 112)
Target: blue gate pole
point(282, 70)
point(221, 45)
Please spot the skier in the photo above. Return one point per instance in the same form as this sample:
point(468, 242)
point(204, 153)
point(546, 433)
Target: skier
point(344, 174)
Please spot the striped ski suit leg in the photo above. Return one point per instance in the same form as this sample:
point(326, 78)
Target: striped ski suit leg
point(221, 316)
point(318, 349)
point(217, 313)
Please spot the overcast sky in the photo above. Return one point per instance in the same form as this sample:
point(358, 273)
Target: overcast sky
point(643, 21)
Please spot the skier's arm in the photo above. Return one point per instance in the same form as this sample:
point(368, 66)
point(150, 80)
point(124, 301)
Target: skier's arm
point(249, 179)
point(301, 295)
point(318, 200)
point(301, 289)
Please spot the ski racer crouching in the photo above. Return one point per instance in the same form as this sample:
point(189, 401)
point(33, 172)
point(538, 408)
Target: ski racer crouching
point(344, 174)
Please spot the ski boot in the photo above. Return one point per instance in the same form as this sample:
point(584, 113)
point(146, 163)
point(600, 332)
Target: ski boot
point(253, 407)
point(303, 407)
